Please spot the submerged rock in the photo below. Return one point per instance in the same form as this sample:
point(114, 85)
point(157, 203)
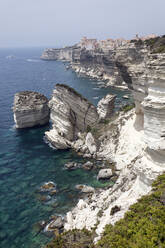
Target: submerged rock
point(49, 186)
point(30, 109)
point(72, 165)
point(88, 166)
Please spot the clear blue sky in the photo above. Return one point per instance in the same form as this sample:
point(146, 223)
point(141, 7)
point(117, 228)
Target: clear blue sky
point(64, 22)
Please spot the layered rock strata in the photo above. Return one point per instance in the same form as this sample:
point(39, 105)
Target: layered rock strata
point(108, 65)
point(30, 109)
point(106, 106)
point(135, 141)
point(64, 54)
point(71, 114)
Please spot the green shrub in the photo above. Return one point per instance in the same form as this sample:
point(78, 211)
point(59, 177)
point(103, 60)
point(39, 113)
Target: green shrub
point(127, 107)
point(88, 129)
point(73, 239)
point(143, 225)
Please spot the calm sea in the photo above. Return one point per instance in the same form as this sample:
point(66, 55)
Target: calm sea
point(26, 161)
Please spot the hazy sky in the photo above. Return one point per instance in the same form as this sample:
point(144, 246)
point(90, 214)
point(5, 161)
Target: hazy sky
point(64, 22)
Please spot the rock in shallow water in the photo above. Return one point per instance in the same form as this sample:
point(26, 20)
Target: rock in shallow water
point(104, 174)
point(72, 165)
point(30, 109)
point(57, 222)
point(88, 166)
point(49, 186)
point(85, 188)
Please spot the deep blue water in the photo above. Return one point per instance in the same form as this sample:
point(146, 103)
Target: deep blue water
point(26, 161)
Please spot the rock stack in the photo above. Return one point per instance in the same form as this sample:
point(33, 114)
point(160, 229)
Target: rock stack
point(70, 114)
point(30, 109)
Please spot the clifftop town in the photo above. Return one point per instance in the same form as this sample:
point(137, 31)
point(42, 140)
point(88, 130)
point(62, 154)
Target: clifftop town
point(109, 60)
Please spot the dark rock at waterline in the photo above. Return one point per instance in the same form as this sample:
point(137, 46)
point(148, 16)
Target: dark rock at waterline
point(57, 222)
point(44, 198)
point(72, 165)
point(49, 186)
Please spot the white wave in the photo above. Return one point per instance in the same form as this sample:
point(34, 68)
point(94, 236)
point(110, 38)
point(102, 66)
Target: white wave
point(33, 60)
point(49, 144)
point(95, 97)
point(13, 128)
point(95, 88)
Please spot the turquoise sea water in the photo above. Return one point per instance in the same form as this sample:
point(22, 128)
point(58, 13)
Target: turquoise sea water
point(26, 161)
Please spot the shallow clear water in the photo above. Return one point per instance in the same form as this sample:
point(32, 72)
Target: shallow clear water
point(26, 161)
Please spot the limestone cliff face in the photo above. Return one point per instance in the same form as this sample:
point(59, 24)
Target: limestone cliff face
point(106, 106)
point(64, 54)
point(154, 108)
point(134, 140)
point(30, 109)
point(107, 65)
point(70, 114)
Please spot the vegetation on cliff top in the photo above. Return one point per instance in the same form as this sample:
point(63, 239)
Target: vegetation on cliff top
point(143, 226)
point(156, 45)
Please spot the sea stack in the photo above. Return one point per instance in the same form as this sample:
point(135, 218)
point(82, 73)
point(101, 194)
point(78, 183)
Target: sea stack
point(30, 109)
point(70, 114)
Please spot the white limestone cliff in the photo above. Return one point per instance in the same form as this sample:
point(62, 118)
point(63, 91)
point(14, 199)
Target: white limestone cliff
point(30, 109)
point(70, 114)
point(106, 106)
point(136, 142)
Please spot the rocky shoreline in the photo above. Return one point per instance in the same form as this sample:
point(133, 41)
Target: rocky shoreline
point(133, 140)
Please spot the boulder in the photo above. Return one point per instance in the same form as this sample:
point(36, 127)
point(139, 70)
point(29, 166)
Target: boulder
point(90, 143)
point(49, 186)
point(104, 174)
point(54, 224)
point(30, 109)
point(85, 188)
point(72, 165)
point(88, 165)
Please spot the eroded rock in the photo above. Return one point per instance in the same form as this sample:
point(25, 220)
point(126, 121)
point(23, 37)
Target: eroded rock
point(70, 114)
point(105, 106)
point(30, 109)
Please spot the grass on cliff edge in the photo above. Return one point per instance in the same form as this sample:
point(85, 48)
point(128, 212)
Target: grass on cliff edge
point(143, 226)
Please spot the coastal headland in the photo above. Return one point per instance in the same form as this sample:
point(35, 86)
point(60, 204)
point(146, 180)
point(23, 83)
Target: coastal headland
point(132, 139)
